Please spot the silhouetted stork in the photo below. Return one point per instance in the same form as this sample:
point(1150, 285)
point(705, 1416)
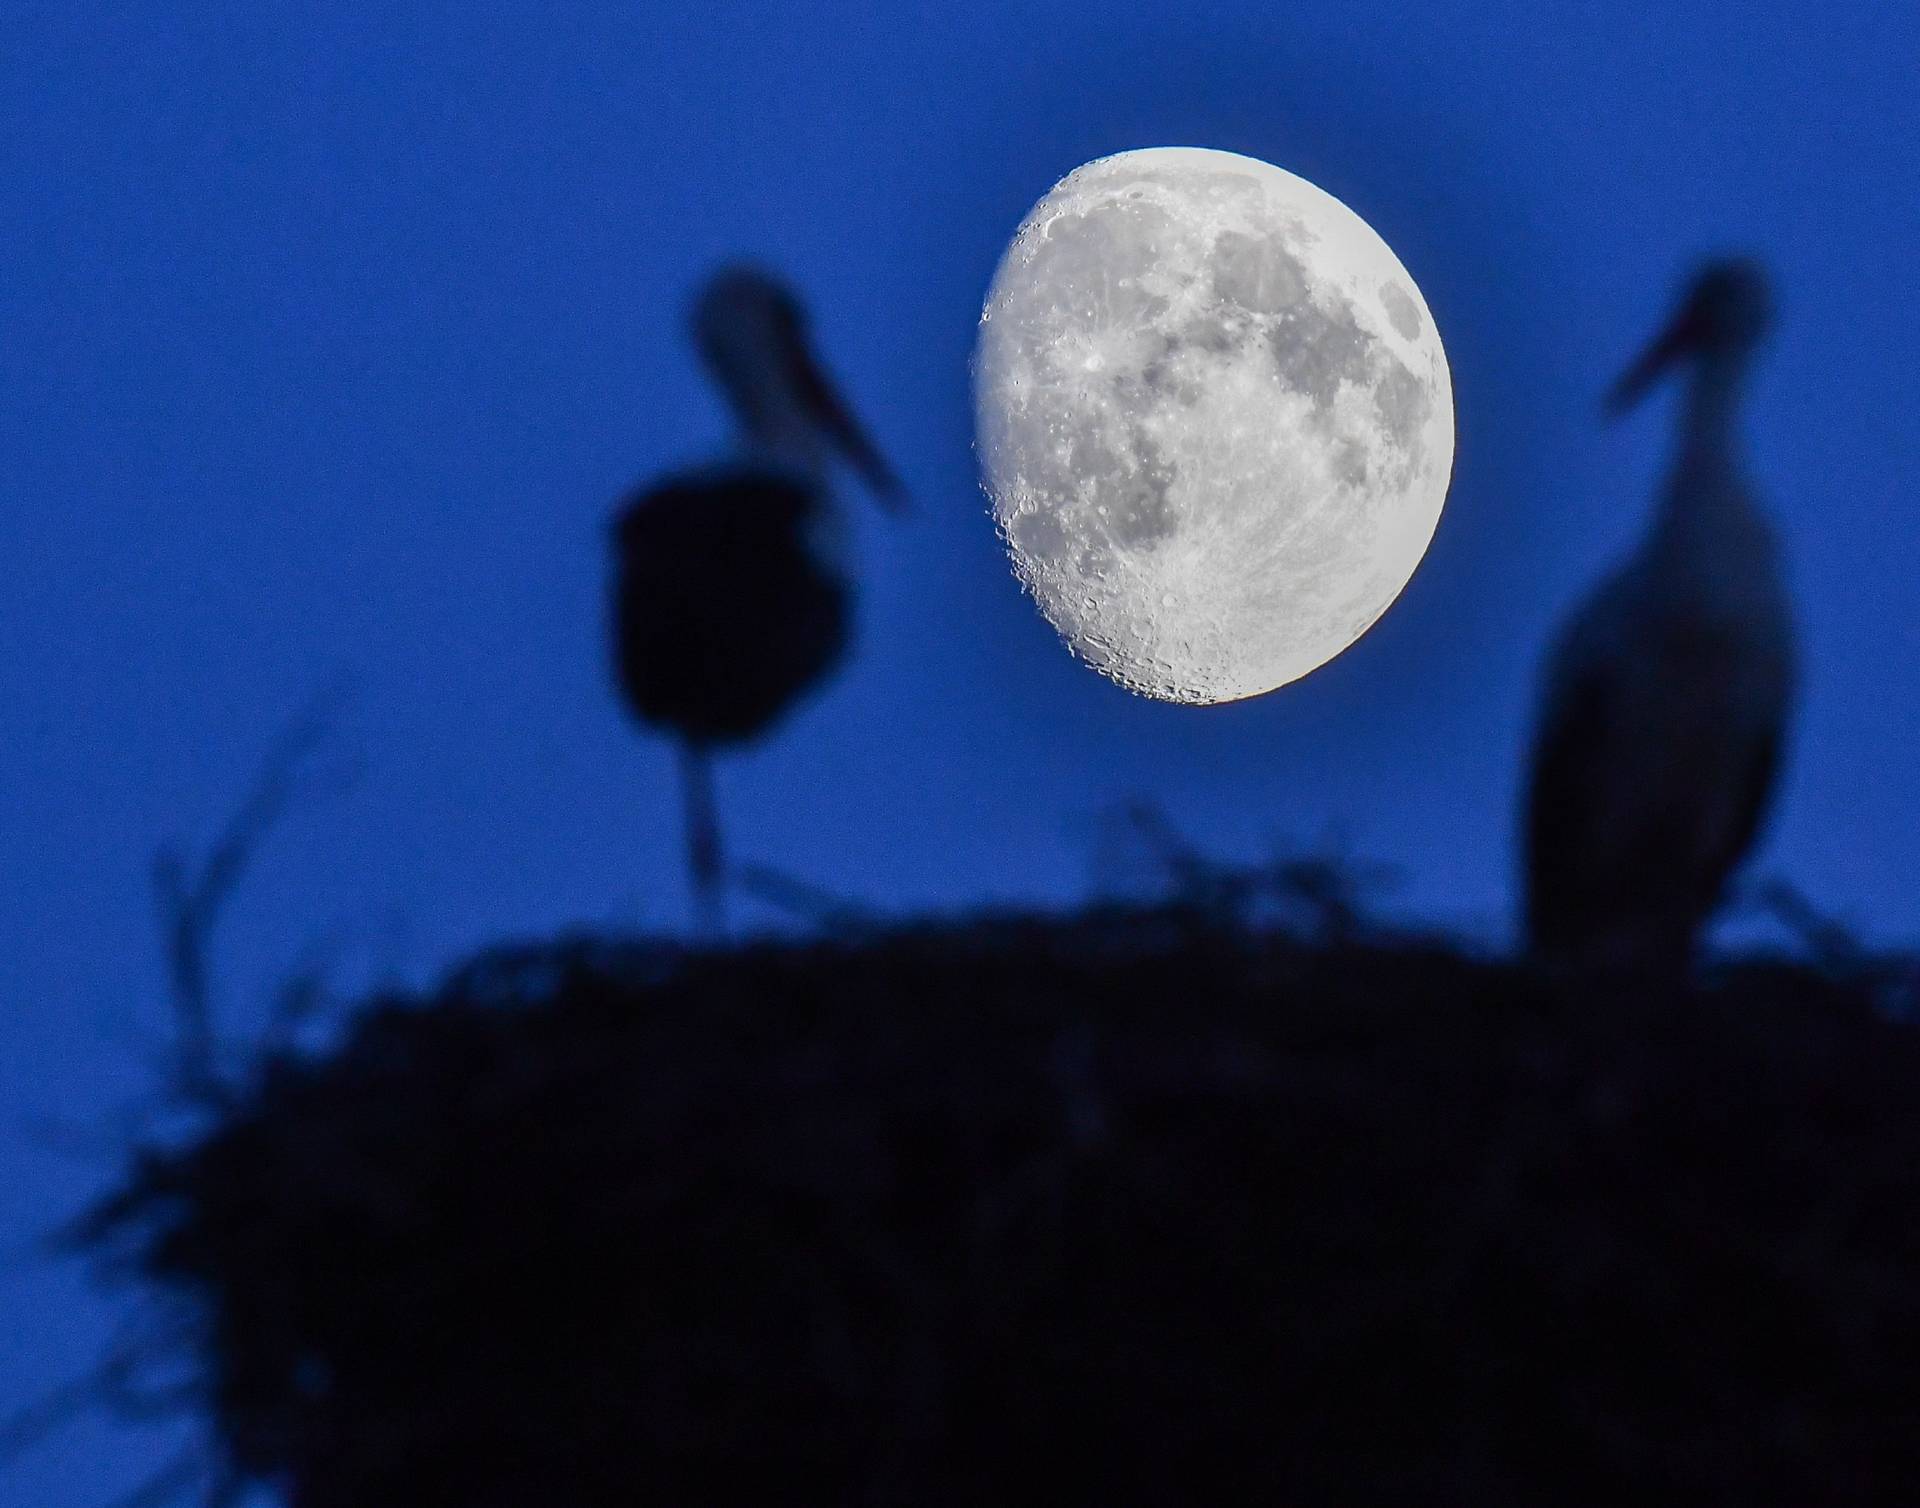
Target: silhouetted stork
point(731, 598)
point(1667, 694)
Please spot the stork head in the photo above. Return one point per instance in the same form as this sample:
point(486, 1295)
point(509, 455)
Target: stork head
point(1726, 314)
point(752, 334)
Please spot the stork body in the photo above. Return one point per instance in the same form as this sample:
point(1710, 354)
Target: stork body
point(1669, 691)
point(732, 598)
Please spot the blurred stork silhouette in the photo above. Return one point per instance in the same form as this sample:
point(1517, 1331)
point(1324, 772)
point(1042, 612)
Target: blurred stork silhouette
point(1667, 694)
point(731, 591)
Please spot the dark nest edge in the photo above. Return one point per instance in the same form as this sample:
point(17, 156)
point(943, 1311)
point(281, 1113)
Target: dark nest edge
point(1150, 1206)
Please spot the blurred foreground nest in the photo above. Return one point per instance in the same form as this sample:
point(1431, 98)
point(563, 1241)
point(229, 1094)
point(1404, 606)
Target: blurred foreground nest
point(1146, 1206)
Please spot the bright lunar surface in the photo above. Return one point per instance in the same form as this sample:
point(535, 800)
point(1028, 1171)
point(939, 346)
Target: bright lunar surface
point(1214, 417)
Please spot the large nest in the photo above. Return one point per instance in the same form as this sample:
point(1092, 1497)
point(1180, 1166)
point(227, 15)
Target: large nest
point(1136, 1208)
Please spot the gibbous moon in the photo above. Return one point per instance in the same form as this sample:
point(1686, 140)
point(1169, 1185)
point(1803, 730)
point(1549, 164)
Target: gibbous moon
point(1215, 420)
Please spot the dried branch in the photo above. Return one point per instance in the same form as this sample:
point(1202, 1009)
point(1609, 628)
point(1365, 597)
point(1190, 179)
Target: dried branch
point(191, 900)
point(112, 1385)
point(1830, 942)
point(1194, 876)
point(1328, 888)
point(304, 995)
point(52, 1411)
point(170, 1483)
point(803, 899)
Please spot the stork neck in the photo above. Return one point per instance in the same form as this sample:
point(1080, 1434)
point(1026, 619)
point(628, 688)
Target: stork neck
point(791, 447)
point(1710, 540)
point(1710, 420)
point(774, 427)
point(1705, 482)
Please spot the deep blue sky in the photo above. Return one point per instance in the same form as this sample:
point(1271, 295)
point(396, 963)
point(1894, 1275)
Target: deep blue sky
point(329, 335)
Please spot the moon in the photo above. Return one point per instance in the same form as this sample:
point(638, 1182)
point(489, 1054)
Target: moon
point(1214, 418)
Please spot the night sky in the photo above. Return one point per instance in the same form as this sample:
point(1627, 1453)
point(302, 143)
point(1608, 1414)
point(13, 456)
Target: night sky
point(330, 336)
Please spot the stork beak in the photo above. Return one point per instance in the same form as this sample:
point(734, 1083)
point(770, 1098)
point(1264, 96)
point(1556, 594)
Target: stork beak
point(829, 413)
point(1668, 346)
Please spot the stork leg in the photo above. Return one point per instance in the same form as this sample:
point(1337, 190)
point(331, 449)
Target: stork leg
point(705, 871)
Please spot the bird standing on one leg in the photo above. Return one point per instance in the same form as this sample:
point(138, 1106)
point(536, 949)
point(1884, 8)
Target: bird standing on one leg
point(1668, 693)
point(731, 597)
